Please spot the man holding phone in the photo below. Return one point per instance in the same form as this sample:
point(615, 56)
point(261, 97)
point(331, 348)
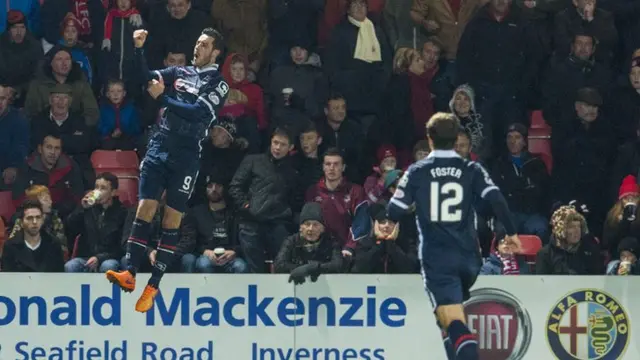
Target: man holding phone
point(209, 228)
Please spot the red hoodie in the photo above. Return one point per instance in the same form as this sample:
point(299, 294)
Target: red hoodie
point(255, 105)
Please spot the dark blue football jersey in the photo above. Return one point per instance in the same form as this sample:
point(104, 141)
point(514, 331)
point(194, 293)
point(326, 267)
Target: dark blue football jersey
point(444, 188)
point(192, 97)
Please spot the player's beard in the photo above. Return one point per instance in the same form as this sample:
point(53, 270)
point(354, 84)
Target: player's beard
point(206, 61)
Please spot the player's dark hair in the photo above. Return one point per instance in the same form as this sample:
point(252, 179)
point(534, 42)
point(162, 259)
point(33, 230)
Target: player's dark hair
point(284, 133)
point(333, 151)
point(218, 39)
point(31, 204)
point(110, 178)
point(442, 129)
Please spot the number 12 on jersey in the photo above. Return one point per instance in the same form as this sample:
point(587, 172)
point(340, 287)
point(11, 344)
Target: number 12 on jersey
point(444, 202)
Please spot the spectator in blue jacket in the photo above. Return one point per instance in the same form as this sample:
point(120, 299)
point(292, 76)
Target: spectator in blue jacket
point(30, 9)
point(119, 125)
point(14, 139)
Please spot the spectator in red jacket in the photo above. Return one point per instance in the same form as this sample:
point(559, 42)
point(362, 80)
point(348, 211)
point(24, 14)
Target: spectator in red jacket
point(50, 167)
point(344, 205)
point(248, 96)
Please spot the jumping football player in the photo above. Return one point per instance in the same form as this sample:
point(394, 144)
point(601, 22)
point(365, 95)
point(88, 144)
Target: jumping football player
point(443, 187)
point(172, 161)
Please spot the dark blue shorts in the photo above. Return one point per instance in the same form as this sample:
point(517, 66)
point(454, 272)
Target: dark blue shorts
point(449, 275)
point(176, 172)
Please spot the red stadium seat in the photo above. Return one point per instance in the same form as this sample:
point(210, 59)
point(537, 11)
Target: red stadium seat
point(539, 142)
point(6, 206)
point(538, 121)
point(531, 244)
point(128, 190)
point(117, 162)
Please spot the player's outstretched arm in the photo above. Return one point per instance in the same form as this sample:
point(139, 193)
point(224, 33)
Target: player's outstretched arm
point(164, 75)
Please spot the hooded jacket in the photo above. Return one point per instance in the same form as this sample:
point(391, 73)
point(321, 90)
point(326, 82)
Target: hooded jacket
point(82, 102)
point(474, 123)
point(255, 98)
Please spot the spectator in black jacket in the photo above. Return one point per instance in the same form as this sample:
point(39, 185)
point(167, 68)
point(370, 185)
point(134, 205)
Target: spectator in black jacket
point(209, 228)
point(308, 160)
point(524, 182)
point(568, 74)
point(502, 69)
point(78, 140)
point(626, 262)
point(31, 250)
point(98, 222)
point(311, 251)
point(583, 16)
point(572, 250)
point(392, 248)
point(625, 104)
point(583, 146)
point(266, 192)
point(627, 162)
point(345, 134)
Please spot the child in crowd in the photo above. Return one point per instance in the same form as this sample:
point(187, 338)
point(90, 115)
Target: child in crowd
point(119, 125)
point(70, 30)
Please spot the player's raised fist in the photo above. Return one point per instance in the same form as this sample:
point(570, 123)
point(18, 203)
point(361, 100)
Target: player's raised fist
point(139, 37)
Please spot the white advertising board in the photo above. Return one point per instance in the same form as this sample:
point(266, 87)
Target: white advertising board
point(341, 317)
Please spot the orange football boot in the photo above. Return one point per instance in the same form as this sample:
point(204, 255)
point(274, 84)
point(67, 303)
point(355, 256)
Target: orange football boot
point(146, 299)
point(124, 279)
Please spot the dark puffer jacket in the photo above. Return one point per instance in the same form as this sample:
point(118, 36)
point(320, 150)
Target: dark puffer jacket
point(266, 189)
point(101, 242)
point(293, 254)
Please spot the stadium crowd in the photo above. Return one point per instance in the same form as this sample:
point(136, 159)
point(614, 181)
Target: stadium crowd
point(327, 106)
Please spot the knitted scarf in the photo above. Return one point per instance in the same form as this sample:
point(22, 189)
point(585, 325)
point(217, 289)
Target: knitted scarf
point(367, 45)
point(113, 13)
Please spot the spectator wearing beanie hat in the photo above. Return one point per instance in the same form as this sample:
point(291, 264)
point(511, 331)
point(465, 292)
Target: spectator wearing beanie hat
point(30, 13)
point(374, 184)
point(20, 55)
point(310, 252)
point(59, 68)
point(623, 218)
point(524, 180)
point(221, 156)
point(627, 262)
point(391, 248)
point(208, 227)
point(70, 30)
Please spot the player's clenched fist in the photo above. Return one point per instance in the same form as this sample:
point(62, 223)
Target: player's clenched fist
point(155, 88)
point(139, 37)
